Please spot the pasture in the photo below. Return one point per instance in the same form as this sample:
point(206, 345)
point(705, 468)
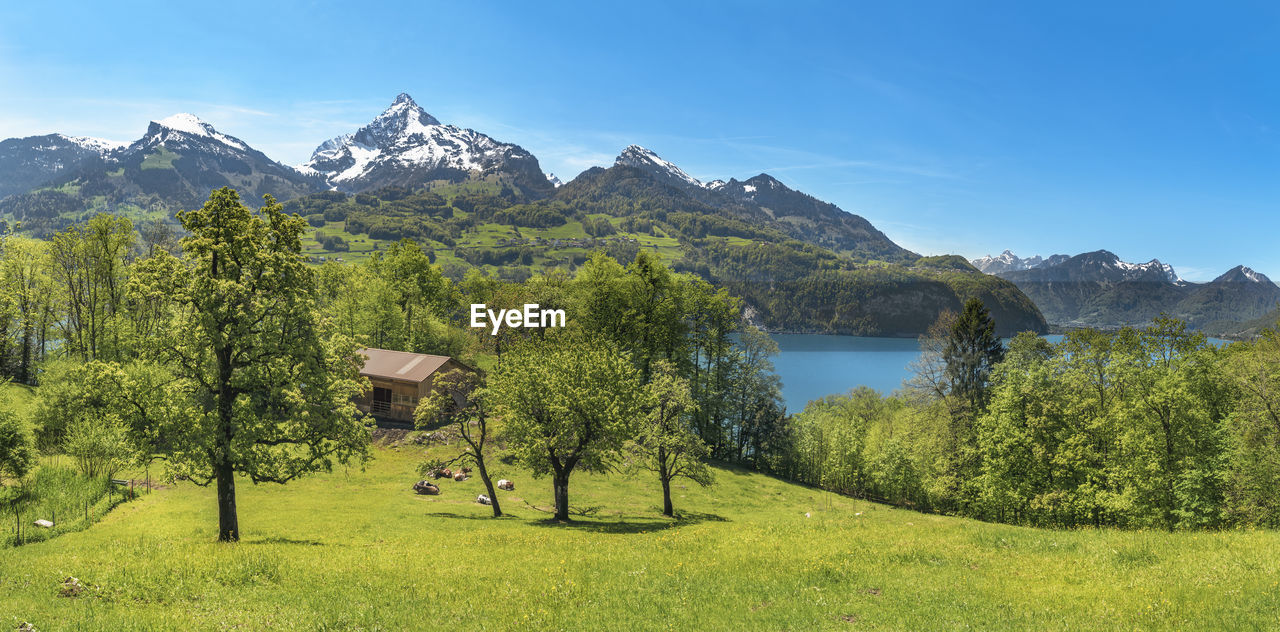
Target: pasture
point(357, 549)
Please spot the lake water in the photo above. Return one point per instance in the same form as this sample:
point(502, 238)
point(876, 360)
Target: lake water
point(813, 366)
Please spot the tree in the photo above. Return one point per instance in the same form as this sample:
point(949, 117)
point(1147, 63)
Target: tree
point(666, 443)
point(567, 404)
point(458, 397)
point(1253, 468)
point(271, 392)
point(23, 271)
point(755, 394)
point(104, 414)
point(421, 290)
point(971, 352)
point(100, 445)
point(17, 455)
point(89, 264)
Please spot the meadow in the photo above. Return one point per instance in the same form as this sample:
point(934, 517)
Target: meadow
point(357, 550)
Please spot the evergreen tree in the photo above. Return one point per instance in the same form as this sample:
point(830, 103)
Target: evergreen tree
point(971, 352)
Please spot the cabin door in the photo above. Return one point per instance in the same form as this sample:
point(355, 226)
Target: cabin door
point(381, 400)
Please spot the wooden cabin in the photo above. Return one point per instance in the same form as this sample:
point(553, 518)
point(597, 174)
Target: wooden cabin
point(399, 380)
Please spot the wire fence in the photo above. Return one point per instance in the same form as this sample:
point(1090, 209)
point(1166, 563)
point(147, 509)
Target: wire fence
point(64, 498)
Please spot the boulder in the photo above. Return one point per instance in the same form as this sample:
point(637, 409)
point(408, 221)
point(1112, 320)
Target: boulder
point(71, 587)
point(44, 523)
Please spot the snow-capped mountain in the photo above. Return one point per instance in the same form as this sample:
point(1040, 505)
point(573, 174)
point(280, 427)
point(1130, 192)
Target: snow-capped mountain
point(406, 146)
point(1009, 262)
point(555, 182)
point(647, 161)
point(26, 163)
point(173, 166)
point(1242, 274)
point(1099, 266)
point(184, 130)
point(1097, 289)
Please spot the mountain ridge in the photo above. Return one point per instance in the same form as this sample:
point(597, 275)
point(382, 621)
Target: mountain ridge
point(1097, 289)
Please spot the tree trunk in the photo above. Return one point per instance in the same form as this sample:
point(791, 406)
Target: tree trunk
point(228, 523)
point(667, 509)
point(560, 483)
point(488, 485)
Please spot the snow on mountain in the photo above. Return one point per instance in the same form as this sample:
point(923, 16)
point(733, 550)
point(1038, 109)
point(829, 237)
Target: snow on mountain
point(1103, 263)
point(101, 146)
point(556, 182)
point(1243, 274)
point(1006, 262)
point(191, 125)
point(1137, 269)
point(715, 185)
point(644, 159)
point(404, 144)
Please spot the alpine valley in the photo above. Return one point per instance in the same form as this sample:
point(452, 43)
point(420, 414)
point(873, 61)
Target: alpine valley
point(800, 264)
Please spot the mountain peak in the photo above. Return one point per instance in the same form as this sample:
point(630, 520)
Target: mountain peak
point(406, 114)
point(185, 122)
point(191, 125)
point(1243, 274)
point(646, 160)
point(404, 146)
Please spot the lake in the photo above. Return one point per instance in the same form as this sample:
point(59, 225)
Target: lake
point(813, 366)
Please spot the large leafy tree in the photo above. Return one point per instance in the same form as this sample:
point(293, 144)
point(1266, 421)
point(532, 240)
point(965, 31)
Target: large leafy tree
point(666, 441)
point(568, 404)
point(271, 393)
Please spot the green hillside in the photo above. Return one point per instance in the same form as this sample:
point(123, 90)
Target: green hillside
point(788, 284)
point(358, 550)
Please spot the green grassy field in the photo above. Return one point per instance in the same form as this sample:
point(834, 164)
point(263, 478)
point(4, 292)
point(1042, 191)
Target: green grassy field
point(358, 550)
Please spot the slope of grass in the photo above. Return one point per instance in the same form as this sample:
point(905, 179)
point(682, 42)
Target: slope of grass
point(358, 550)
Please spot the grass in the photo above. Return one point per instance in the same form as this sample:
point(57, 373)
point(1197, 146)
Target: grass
point(18, 397)
point(61, 495)
point(162, 158)
point(357, 550)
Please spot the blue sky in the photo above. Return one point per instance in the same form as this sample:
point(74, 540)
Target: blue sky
point(1150, 130)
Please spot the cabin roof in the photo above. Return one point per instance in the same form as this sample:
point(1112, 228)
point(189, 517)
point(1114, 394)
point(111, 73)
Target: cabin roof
point(400, 365)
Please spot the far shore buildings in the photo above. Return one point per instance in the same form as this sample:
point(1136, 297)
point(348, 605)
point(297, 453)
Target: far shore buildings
point(399, 380)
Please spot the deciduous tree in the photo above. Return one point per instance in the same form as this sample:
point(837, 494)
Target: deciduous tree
point(272, 392)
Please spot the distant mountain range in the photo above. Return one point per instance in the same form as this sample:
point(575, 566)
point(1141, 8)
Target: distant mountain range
point(1097, 289)
point(26, 163)
point(800, 263)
